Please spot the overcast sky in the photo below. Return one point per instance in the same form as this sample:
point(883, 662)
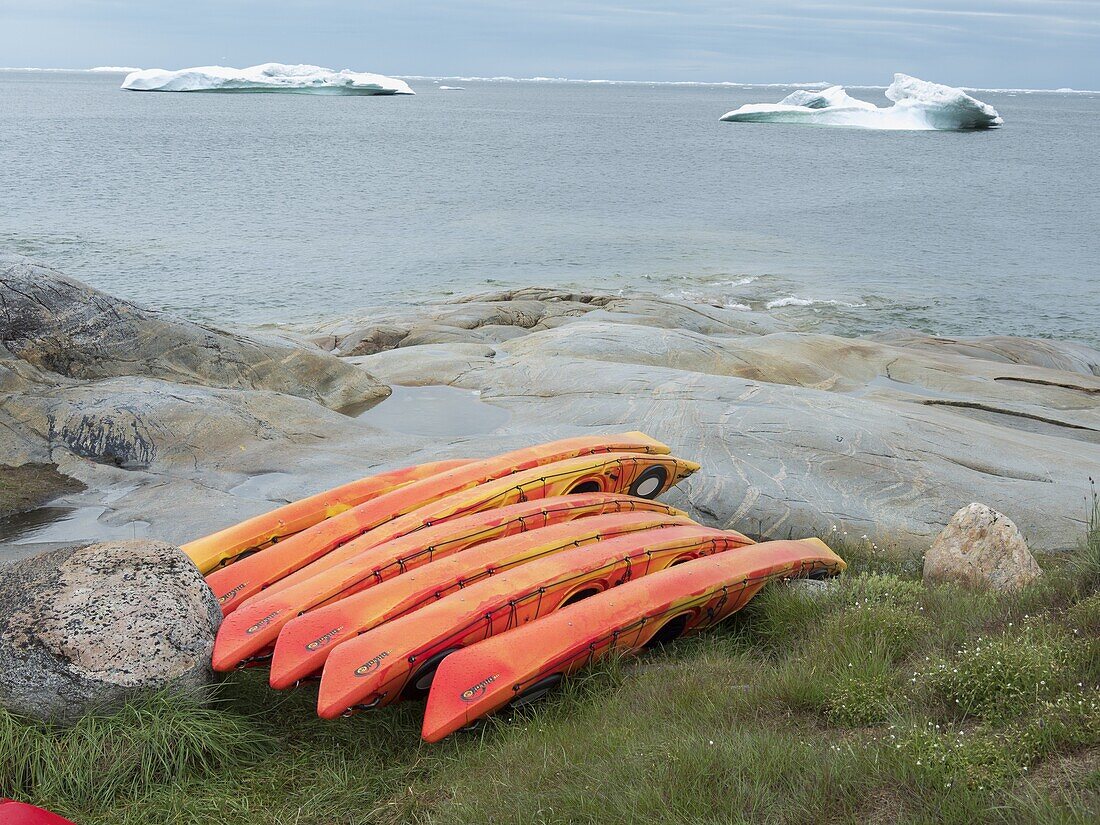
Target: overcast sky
point(990, 43)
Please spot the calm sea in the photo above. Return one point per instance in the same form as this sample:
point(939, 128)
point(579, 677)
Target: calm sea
point(260, 208)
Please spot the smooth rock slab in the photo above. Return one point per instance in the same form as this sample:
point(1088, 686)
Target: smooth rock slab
point(983, 550)
point(61, 326)
point(93, 625)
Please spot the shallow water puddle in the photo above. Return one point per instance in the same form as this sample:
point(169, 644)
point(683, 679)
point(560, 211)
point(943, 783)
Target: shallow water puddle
point(60, 525)
point(435, 410)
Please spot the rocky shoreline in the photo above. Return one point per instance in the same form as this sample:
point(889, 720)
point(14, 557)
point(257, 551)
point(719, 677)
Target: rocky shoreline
point(174, 429)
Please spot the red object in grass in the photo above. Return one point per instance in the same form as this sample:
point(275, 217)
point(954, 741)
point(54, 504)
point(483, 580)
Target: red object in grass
point(20, 813)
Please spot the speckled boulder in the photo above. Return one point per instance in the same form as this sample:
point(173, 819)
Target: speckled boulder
point(95, 624)
point(983, 550)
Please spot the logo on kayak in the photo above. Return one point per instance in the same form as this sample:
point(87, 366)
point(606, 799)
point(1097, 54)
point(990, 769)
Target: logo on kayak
point(372, 664)
point(262, 623)
point(324, 640)
point(229, 595)
point(470, 694)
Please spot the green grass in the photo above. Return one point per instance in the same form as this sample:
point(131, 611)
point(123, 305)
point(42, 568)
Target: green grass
point(879, 701)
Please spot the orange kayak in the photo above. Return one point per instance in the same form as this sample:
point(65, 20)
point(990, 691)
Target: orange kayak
point(399, 657)
point(307, 641)
point(233, 584)
point(251, 629)
point(520, 665)
point(225, 546)
point(605, 472)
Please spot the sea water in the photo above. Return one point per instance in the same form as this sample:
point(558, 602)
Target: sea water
point(276, 208)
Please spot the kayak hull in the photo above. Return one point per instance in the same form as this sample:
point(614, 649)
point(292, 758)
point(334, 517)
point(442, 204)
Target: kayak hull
point(306, 641)
point(399, 657)
point(486, 677)
point(252, 629)
point(237, 582)
point(617, 473)
point(226, 546)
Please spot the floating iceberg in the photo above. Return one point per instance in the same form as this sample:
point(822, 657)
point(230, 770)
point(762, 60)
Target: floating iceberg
point(917, 105)
point(267, 77)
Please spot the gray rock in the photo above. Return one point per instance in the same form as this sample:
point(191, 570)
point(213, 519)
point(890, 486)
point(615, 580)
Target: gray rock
point(981, 549)
point(1067, 356)
point(796, 432)
point(502, 316)
point(799, 432)
point(94, 625)
point(61, 326)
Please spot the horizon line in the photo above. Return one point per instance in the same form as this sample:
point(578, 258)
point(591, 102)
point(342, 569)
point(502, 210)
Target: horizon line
point(819, 84)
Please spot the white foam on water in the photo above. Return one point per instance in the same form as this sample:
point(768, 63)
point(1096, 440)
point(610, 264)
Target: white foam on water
point(266, 77)
point(795, 301)
point(918, 105)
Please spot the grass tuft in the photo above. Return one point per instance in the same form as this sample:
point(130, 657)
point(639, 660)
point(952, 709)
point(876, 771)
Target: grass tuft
point(1084, 564)
point(998, 677)
point(104, 757)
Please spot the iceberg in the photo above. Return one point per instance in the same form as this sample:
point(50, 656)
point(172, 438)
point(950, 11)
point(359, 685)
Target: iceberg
point(267, 77)
point(917, 105)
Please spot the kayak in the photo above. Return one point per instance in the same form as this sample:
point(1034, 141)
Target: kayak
point(233, 584)
point(226, 546)
point(518, 666)
point(601, 472)
point(252, 628)
point(20, 813)
point(618, 473)
point(399, 658)
point(306, 642)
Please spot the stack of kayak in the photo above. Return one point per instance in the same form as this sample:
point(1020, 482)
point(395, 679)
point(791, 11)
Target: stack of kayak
point(480, 584)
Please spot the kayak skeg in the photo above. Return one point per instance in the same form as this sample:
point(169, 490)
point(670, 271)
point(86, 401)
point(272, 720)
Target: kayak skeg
point(226, 546)
point(518, 666)
point(399, 658)
point(252, 628)
point(307, 641)
point(233, 584)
